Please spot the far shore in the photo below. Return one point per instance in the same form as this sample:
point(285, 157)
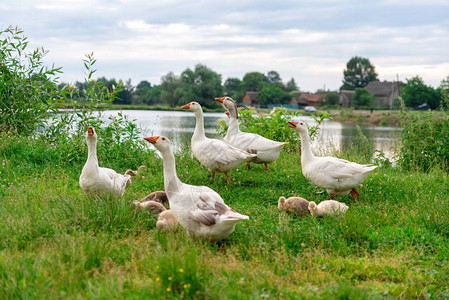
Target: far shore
point(344, 115)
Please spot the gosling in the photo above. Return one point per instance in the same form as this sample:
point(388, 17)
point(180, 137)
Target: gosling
point(327, 208)
point(154, 208)
point(297, 205)
point(158, 196)
point(166, 221)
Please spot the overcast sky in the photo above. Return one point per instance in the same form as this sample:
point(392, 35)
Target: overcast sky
point(310, 41)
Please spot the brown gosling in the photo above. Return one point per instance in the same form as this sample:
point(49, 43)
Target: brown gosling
point(153, 207)
point(135, 173)
point(158, 196)
point(297, 205)
point(166, 221)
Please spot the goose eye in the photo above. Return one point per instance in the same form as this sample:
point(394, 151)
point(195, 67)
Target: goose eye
point(163, 139)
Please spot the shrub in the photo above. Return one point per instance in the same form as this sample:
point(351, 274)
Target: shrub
point(272, 125)
point(27, 88)
point(424, 142)
point(362, 97)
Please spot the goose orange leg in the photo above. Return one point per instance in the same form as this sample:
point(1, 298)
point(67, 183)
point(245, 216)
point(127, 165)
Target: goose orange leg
point(212, 176)
point(266, 166)
point(331, 196)
point(227, 178)
point(354, 194)
point(248, 166)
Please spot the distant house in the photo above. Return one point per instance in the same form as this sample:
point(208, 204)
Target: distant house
point(385, 92)
point(346, 98)
point(302, 99)
point(250, 98)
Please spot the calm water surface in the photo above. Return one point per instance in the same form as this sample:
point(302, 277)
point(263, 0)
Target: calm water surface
point(178, 126)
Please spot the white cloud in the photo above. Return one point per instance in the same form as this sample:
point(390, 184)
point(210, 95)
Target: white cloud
point(311, 41)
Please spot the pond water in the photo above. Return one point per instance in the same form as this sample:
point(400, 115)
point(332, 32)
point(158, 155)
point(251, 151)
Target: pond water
point(178, 126)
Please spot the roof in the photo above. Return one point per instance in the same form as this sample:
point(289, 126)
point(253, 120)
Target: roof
point(347, 93)
point(312, 97)
point(252, 95)
point(382, 89)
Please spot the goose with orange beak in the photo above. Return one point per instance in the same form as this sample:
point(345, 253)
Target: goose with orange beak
point(95, 180)
point(216, 155)
point(266, 150)
point(198, 209)
point(337, 176)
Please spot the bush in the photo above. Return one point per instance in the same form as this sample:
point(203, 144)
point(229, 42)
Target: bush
point(272, 125)
point(362, 97)
point(27, 88)
point(424, 142)
point(118, 137)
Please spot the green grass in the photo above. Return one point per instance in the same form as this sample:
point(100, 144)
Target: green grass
point(56, 243)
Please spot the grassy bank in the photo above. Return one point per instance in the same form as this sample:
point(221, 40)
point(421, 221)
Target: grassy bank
point(377, 117)
point(55, 243)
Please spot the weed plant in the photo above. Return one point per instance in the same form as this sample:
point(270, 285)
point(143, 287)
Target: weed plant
point(424, 140)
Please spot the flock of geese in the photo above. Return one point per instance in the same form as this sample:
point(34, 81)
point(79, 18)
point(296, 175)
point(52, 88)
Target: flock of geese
point(200, 210)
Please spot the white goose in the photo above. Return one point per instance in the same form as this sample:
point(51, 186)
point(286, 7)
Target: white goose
point(267, 151)
point(217, 156)
point(95, 180)
point(198, 209)
point(337, 176)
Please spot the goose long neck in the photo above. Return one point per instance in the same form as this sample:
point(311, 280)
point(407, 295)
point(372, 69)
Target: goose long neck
point(306, 151)
point(171, 180)
point(233, 120)
point(199, 126)
point(92, 152)
point(233, 126)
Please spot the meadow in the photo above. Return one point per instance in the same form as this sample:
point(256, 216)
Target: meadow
point(56, 243)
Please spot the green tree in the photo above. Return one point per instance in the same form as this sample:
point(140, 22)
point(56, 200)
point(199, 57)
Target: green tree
point(253, 81)
point(233, 87)
point(144, 85)
point(171, 89)
point(125, 94)
point(154, 95)
point(272, 94)
point(273, 77)
point(362, 97)
point(28, 89)
point(415, 92)
point(291, 86)
point(358, 73)
point(331, 98)
point(201, 85)
point(142, 94)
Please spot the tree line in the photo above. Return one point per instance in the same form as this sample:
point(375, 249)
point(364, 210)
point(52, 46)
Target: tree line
point(203, 84)
point(200, 84)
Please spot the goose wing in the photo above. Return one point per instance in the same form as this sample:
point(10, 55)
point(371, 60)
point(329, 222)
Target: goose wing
point(211, 210)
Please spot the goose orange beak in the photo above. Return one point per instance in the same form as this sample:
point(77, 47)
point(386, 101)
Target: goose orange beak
point(90, 130)
point(187, 106)
point(292, 124)
point(151, 139)
point(220, 99)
